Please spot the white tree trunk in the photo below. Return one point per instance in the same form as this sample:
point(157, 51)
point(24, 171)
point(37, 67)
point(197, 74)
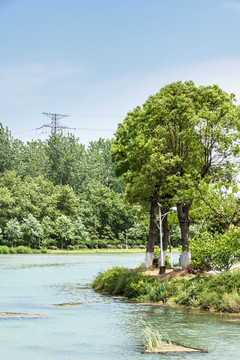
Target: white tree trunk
point(164, 258)
point(186, 257)
point(148, 260)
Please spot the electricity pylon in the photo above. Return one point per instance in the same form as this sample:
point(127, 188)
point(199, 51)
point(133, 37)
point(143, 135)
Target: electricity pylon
point(55, 125)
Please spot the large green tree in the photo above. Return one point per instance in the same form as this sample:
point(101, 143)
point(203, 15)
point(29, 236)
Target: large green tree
point(165, 148)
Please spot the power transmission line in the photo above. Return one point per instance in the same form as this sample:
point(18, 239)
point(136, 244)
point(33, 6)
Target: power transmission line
point(55, 124)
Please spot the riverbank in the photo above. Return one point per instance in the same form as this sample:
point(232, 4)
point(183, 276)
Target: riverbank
point(4, 250)
point(207, 292)
point(27, 250)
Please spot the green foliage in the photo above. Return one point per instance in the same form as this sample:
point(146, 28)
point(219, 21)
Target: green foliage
point(220, 292)
point(218, 251)
point(64, 229)
point(32, 230)
point(52, 247)
point(230, 302)
point(13, 231)
point(207, 292)
point(66, 161)
point(4, 250)
point(23, 250)
point(181, 137)
point(131, 284)
point(152, 337)
point(221, 199)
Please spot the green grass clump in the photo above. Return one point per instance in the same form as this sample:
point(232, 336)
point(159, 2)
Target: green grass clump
point(230, 303)
point(23, 250)
point(4, 250)
point(152, 338)
point(131, 284)
point(220, 292)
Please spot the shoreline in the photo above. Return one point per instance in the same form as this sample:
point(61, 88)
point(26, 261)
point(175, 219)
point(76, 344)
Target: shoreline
point(174, 289)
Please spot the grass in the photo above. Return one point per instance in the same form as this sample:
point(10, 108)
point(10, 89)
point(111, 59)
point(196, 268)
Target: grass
point(131, 284)
point(152, 338)
point(219, 293)
point(94, 251)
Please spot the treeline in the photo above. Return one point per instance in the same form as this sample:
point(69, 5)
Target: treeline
point(61, 194)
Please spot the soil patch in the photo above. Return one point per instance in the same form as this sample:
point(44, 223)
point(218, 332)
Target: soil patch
point(67, 305)
point(170, 273)
point(20, 315)
point(171, 347)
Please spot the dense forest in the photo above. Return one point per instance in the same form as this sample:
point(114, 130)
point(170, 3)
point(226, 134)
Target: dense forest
point(180, 148)
point(58, 193)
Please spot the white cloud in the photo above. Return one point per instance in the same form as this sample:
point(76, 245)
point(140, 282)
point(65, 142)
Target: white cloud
point(122, 94)
point(33, 89)
point(232, 5)
point(22, 84)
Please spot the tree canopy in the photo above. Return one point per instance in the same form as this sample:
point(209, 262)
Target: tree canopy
point(180, 137)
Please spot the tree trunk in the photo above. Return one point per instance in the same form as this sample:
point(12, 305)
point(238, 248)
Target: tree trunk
point(184, 223)
point(166, 239)
point(152, 232)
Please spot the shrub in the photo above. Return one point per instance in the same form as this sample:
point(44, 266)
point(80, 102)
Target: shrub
point(12, 250)
point(70, 247)
point(230, 302)
point(53, 247)
point(215, 251)
point(207, 292)
point(4, 250)
point(131, 284)
point(142, 247)
point(208, 300)
point(23, 250)
point(43, 250)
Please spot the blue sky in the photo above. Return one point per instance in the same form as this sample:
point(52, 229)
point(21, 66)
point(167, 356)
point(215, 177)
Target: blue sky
point(97, 59)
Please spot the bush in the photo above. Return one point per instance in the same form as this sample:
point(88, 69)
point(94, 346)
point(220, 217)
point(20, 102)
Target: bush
point(4, 250)
point(53, 247)
point(70, 247)
point(43, 250)
point(207, 292)
point(12, 250)
point(23, 250)
point(131, 284)
point(142, 247)
point(230, 303)
point(220, 292)
point(215, 251)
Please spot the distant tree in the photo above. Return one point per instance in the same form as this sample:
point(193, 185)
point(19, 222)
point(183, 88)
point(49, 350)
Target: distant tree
point(32, 160)
point(47, 230)
point(100, 168)
point(67, 161)
point(9, 149)
point(32, 231)
point(81, 235)
point(13, 231)
point(64, 230)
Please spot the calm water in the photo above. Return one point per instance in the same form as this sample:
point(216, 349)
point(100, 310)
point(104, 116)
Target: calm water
point(101, 327)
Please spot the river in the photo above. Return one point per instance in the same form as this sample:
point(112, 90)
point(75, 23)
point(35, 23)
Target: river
point(101, 327)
